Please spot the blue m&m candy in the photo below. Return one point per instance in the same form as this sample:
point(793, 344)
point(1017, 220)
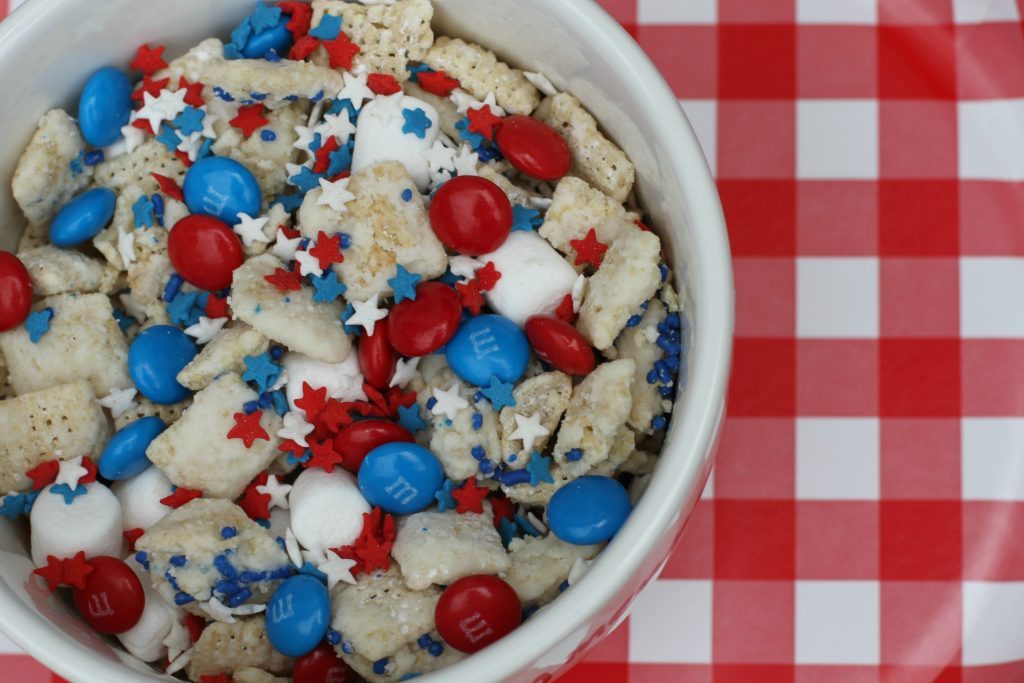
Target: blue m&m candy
point(125, 454)
point(83, 217)
point(486, 346)
point(155, 358)
point(298, 615)
point(222, 188)
point(278, 39)
point(104, 106)
point(400, 477)
point(588, 510)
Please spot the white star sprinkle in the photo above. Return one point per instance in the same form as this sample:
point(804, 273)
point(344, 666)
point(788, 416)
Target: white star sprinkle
point(168, 105)
point(335, 195)
point(305, 137)
point(208, 121)
point(464, 267)
point(405, 371)
point(540, 203)
point(206, 329)
point(277, 491)
point(529, 430)
point(449, 402)
point(337, 570)
point(541, 82)
point(120, 401)
point(291, 546)
point(282, 379)
point(579, 568)
point(70, 472)
point(190, 144)
point(337, 125)
point(179, 662)
point(462, 100)
point(440, 157)
point(126, 246)
point(251, 229)
point(578, 288)
point(285, 248)
point(308, 264)
point(294, 170)
point(355, 90)
point(295, 428)
point(177, 641)
point(387, 108)
point(367, 313)
point(133, 137)
point(537, 524)
point(466, 161)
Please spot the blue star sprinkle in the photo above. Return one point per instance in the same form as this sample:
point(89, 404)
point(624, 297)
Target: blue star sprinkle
point(475, 140)
point(180, 308)
point(290, 202)
point(508, 530)
point(309, 569)
point(264, 18)
point(341, 160)
point(13, 505)
point(350, 311)
point(539, 468)
point(524, 219)
point(240, 36)
point(338, 106)
point(327, 287)
point(316, 143)
point(190, 120)
point(231, 51)
point(328, 28)
point(499, 393)
point(404, 284)
point(306, 180)
point(409, 417)
point(445, 499)
point(68, 493)
point(416, 122)
point(124, 321)
point(261, 370)
point(168, 138)
point(38, 323)
point(142, 211)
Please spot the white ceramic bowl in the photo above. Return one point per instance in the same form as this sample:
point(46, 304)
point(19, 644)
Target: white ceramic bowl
point(49, 47)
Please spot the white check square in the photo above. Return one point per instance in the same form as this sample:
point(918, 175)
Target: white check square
point(837, 622)
point(836, 11)
point(837, 298)
point(677, 11)
point(991, 464)
point(990, 302)
point(991, 139)
point(837, 139)
point(671, 622)
point(991, 611)
point(980, 11)
point(837, 458)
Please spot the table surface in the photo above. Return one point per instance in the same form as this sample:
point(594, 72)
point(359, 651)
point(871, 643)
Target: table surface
point(864, 519)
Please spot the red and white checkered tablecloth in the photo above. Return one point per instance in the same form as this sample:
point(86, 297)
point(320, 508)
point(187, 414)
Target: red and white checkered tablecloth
point(865, 521)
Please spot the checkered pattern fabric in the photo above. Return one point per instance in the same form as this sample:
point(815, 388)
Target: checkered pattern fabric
point(865, 517)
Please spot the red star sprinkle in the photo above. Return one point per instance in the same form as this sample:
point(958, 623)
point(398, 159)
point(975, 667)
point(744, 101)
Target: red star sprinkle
point(195, 625)
point(249, 119)
point(183, 158)
point(285, 280)
point(376, 398)
point(397, 397)
point(181, 496)
point(483, 121)
point(340, 51)
point(336, 415)
point(470, 294)
point(169, 187)
point(469, 497)
point(640, 224)
point(150, 86)
point(219, 678)
point(383, 84)
point(327, 249)
point(503, 508)
point(340, 176)
point(289, 446)
point(52, 572)
point(144, 125)
point(487, 277)
point(313, 401)
point(324, 455)
point(589, 249)
point(75, 570)
point(193, 92)
point(255, 504)
point(565, 310)
point(372, 549)
point(290, 233)
point(438, 83)
point(217, 307)
point(322, 158)
point(248, 428)
point(90, 471)
point(43, 474)
point(303, 48)
point(148, 60)
point(131, 537)
point(301, 17)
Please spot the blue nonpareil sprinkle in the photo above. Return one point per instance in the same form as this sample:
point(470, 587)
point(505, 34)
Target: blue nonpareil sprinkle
point(667, 345)
point(574, 454)
point(183, 598)
point(284, 572)
point(407, 195)
point(172, 580)
point(238, 598)
point(258, 96)
point(673, 321)
point(76, 164)
point(424, 641)
point(478, 452)
point(652, 376)
point(265, 401)
point(672, 362)
point(666, 391)
point(172, 287)
point(276, 352)
point(380, 666)
point(178, 560)
point(281, 543)
point(265, 523)
point(478, 421)
point(222, 94)
point(634, 320)
point(250, 407)
point(223, 565)
point(346, 647)
point(142, 557)
point(272, 56)
point(664, 271)
point(658, 423)
point(563, 586)
point(225, 587)
point(93, 157)
point(345, 240)
point(317, 97)
point(333, 637)
point(512, 457)
point(486, 467)
point(487, 153)
point(268, 135)
point(431, 402)
point(529, 612)
point(252, 576)
point(228, 532)
point(436, 649)
point(158, 208)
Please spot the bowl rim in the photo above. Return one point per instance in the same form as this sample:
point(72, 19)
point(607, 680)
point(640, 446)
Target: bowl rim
point(689, 447)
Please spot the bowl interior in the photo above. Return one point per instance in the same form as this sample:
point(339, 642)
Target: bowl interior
point(48, 48)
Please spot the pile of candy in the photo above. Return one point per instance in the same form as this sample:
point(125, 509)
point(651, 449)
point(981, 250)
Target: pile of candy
point(337, 349)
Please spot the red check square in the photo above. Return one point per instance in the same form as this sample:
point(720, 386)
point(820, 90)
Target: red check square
point(920, 297)
point(990, 218)
point(686, 55)
point(836, 540)
point(837, 378)
point(765, 297)
point(916, 62)
point(904, 12)
point(768, 631)
point(760, 12)
point(980, 47)
point(837, 61)
point(918, 218)
point(986, 365)
point(756, 139)
point(694, 557)
point(760, 215)
point(920, 377)
point(763, 378)
point(755, 539)
point(917, 139)
point(762, 673)
point(920, 621)
point(920, 458)
point(756, 62)
point(837, 218)
point(991, 550)
point(920, 541)
point(756, 459)
point(837, 674)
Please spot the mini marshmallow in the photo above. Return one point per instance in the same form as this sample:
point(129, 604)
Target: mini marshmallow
point(327, 509)
point(91, 522)
point(140, 498)
point(344, 380)
point(534, 277)
point(145, 640)
point(379, 136)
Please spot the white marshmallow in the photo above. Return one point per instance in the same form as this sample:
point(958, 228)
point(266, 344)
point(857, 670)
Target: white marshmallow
point(379, 137)
point(534, 277)
point(140, 498)
point(344, 380)
point(327, 509)
point(145, 640)
point(92, 522)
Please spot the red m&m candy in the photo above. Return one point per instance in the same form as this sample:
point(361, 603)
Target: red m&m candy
point(376, 357)
point(112, 599)
point(560, 345)
point(534, 147)
point(359, 438)
point(15, 291)
point(421, 326)
point(471, 215)
point(322, 665)
point(475, 611)
point(204, 251)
